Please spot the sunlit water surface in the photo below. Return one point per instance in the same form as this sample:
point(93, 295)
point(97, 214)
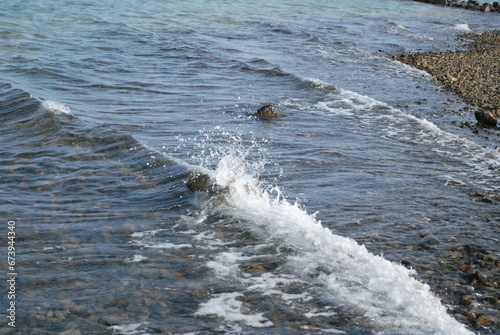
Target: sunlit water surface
point(364, 208)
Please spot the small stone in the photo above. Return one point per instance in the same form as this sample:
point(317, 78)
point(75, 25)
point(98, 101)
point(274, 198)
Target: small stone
point(466, 300)
point(492, 300)
point(476, 277)
point(253, 269)
point(485, 320)
point(462, 266)
point(69, 304)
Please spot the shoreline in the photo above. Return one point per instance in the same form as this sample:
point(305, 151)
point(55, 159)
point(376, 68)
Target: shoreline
point(473, 74)
point(486, 7)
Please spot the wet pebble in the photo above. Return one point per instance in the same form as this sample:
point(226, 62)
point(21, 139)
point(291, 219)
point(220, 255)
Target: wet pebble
point(486, 320)
point(254, 270)
point(476, 277)
point(466, 300)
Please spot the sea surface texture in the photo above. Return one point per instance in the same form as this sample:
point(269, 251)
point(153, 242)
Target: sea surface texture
point(364, 208)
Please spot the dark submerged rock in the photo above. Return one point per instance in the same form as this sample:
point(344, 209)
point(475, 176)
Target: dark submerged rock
point(486, 118)
point(199, 182)
point(475, 277)
point(267, 111)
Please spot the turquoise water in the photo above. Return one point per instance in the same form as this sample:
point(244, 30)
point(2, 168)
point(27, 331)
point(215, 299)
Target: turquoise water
point(364, 208)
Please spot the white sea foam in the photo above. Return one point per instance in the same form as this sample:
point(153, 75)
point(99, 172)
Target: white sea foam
point(315, 313)
point(208, 239)
point(463, 27)
point(385, 293)
point(398, 29)
point(226, 263)
point(56, 107)
point(398, 66)
point(409, 128)
point(159, 245)
point(129, 329)
point(146, 239)
point(335, 108)
point(147, 233)
point(321, 84)
point(322, 331)
point(228, 307)
point(136, 258)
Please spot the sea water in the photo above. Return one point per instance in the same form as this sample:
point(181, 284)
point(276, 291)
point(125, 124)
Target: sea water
point(365, 208)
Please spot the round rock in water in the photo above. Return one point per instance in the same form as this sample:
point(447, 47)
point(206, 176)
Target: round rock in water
point(200, 182)
point(267, 111)
point(486, 118)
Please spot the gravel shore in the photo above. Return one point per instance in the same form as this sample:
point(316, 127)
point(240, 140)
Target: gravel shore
point(473, 73)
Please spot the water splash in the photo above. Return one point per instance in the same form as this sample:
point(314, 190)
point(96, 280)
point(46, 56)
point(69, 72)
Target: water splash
point(385, 295)
point(56, 107)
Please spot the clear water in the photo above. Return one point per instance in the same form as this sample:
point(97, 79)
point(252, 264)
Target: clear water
point(364, 208)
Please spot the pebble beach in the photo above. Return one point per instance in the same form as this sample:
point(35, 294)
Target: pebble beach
point(472, 73)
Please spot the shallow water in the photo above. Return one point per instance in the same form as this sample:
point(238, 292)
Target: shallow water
point(364, 208)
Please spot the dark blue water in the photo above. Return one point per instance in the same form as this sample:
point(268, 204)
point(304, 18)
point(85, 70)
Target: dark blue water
point(364, 208)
